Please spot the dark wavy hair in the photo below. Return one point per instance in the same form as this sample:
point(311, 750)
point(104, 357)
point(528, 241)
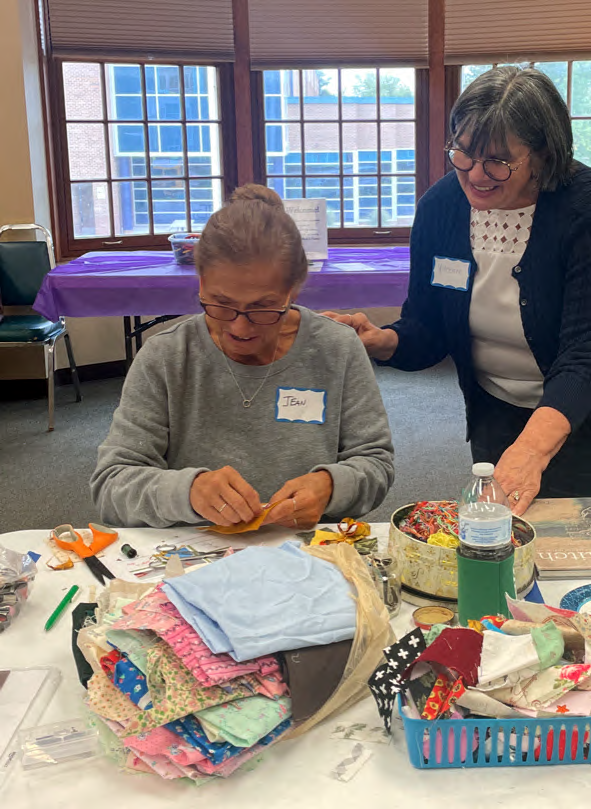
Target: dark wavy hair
point(522, 102)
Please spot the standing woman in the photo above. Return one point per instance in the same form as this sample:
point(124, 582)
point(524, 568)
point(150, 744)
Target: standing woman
point(500, 280)
point(258, 400)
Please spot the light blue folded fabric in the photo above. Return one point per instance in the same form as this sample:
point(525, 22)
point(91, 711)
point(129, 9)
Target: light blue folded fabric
point(265, 600)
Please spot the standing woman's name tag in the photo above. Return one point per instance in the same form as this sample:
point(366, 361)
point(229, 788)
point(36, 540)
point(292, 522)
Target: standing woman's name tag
point(453, 273)
point(300, 404)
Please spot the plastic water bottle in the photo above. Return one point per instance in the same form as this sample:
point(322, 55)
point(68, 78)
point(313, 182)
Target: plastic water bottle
point(485, 517)
point(485, 555)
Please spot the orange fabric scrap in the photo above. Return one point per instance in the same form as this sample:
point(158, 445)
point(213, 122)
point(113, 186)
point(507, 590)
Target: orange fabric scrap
point(242, 527)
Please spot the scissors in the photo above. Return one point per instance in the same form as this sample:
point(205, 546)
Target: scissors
point(66, 538)
point(186, 553)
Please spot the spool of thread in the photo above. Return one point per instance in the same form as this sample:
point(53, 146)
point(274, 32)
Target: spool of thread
point(128, 551)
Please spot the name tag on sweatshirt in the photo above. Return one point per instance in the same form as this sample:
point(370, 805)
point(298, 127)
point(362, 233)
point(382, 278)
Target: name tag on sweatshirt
point(453, 273)
point(301, 404)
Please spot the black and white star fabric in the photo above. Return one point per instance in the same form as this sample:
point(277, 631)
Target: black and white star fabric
point(388, 679)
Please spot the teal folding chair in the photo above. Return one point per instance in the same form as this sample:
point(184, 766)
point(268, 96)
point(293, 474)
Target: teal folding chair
point(23, 266)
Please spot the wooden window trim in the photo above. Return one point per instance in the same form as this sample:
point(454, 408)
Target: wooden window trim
point(234, 119)
point(67, 245)
point(352, 235)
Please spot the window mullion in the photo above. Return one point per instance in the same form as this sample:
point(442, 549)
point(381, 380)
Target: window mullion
point(340, 146)
point(107, 150)
point(184, 146)
point(379, 146)
point(147, 148)
point(302, 141)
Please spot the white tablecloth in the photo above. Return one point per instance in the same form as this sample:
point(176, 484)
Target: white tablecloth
point(293, 774)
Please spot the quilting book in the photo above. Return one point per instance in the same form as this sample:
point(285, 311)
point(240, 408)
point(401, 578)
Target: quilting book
point(563, 537)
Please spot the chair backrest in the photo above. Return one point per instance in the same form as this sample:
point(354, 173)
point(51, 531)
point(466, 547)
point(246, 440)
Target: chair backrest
point(23, 266)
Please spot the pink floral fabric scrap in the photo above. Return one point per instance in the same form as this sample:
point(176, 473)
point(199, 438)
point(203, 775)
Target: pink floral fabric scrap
point(155, 612)
point(175, 693)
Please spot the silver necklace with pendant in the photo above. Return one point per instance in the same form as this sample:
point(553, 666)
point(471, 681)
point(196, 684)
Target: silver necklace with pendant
point(247, 401)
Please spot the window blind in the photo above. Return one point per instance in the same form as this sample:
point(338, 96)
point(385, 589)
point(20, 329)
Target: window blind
point(196, 28)
point(508, 31)
point(300, 33)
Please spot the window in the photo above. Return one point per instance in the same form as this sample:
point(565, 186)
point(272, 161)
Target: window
point(345, 135)
point(143, 144)
point(573, 80)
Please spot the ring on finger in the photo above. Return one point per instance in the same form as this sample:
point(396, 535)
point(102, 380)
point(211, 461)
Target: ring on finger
point(222, 507)
point(295, 522)
point(516, 496)
point(293, 500)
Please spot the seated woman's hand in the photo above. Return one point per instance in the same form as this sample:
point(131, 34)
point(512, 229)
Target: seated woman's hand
point(224, 497)
point(305, 500)
point(379, 343)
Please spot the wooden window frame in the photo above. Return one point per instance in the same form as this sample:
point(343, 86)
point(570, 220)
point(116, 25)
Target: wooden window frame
point(242, 132)
point(67, 245)
point(356, 235)
point(455, 82)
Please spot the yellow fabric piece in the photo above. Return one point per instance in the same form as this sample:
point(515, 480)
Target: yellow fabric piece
point(443, 540)
point(326, 536)
point(373, 633)
point(242, 527)
point(476, 625)
point(349, 530)
point(353, 530)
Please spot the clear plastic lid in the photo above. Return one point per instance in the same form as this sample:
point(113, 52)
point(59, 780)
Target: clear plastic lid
point(483, 470)
point(60, 742)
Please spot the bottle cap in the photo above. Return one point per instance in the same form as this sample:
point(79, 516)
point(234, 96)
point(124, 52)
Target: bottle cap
point(483, 470)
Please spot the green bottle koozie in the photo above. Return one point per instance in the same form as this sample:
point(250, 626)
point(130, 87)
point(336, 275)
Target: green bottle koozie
point(482, 586)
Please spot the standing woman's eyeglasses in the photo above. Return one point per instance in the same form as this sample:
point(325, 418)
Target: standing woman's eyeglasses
point(498, 170)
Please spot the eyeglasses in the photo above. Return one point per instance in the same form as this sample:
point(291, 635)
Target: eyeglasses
point(498, 170)
point(260, 317)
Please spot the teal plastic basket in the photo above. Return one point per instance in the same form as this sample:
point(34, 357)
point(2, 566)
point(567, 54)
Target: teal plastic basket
point(523, 742)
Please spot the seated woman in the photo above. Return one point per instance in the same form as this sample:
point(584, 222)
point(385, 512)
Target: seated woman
point(255, 401)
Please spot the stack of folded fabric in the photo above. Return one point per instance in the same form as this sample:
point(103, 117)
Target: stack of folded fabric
point(200, 674)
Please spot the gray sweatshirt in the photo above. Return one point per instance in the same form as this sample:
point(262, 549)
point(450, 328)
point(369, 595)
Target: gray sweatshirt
point(181, 413)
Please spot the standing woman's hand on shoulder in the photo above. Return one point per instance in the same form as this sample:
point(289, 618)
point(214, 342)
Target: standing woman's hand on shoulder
point(379, 343)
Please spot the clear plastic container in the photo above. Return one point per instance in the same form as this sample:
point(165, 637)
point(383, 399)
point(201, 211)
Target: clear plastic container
point(58, 743)
point(383, 567)
point(24, 697)
point(17, 573)
point(485, 517)
point(183, 245)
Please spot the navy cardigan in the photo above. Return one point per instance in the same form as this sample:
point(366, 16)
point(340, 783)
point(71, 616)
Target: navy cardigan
point(554, 277)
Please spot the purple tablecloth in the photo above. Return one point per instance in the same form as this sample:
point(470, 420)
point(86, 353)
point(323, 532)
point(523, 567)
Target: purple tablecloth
point(150, 283)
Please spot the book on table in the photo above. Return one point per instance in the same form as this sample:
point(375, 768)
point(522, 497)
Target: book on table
point(563, 537)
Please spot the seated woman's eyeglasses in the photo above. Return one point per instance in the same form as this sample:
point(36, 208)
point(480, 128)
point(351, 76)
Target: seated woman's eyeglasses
point(260, 317)
point(494, 168)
